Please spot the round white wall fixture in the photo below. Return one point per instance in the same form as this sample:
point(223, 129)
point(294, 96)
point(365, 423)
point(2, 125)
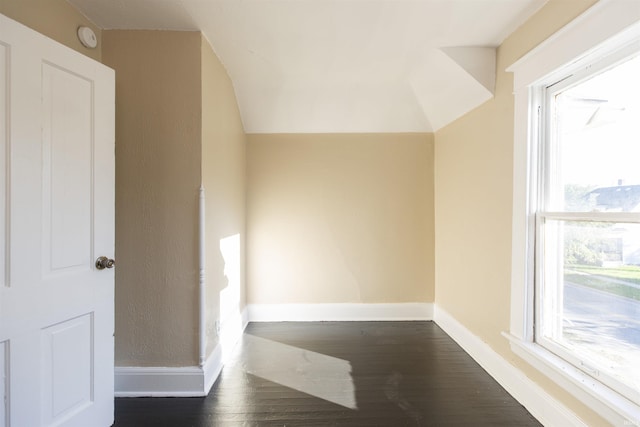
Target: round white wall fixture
point(87, 37)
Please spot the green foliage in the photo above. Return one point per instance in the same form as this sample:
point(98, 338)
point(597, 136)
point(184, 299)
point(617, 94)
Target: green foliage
point(590, 244)
point(586, 243)
point(579, 252)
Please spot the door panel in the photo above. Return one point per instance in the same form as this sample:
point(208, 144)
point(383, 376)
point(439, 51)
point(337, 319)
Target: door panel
point(67, 170)
point(56, 308)
point(67, 380)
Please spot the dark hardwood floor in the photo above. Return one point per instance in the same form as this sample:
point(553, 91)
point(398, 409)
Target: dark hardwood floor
point(340, 374)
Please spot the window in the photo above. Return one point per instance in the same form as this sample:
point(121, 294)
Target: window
point(576, 212)
point(587, 261)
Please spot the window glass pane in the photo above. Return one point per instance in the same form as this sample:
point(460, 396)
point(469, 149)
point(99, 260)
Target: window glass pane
point(591, 296)
point(595, 134)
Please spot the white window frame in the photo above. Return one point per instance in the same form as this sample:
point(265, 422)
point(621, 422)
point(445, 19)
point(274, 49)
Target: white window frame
point(608, 26)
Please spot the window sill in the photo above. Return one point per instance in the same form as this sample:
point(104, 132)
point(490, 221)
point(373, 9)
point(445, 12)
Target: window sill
point(607, 403)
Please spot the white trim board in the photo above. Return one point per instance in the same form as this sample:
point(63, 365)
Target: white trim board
point(189, 381)
point(212, 368)
point(544, 407)
point(339, 312)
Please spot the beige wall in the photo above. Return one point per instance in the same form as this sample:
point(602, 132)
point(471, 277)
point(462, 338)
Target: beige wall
point(158, 161)
point(177, 122)
point(344, 218)
point(56, 19)
point(223, 177)
point(473, 199)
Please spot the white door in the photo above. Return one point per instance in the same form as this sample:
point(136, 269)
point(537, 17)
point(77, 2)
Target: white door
point(56, 218)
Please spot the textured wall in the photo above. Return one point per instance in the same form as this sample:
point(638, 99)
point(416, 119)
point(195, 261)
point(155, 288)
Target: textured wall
point(56, 19)
point(340, 218)
point(223, 177)
point(473, 204)
point(158, 152)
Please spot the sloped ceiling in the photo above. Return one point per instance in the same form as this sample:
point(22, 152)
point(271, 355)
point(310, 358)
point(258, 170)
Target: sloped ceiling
point(340, 65)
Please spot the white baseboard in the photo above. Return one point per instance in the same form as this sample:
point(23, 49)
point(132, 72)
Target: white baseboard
point(159, 382)
point(212, 368)
point(189, 381)
point(546, 409)
point(339, 312)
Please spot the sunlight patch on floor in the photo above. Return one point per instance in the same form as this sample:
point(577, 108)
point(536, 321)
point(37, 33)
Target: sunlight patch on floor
point(319, 375)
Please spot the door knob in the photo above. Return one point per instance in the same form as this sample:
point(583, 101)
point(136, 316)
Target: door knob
point(104, 262)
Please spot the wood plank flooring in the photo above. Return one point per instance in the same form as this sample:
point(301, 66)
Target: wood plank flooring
point(340, 374)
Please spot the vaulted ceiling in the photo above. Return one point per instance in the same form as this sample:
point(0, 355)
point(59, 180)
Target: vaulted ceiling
point(341, 65)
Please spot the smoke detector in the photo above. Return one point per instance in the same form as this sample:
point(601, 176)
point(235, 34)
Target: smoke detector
point(87, 37)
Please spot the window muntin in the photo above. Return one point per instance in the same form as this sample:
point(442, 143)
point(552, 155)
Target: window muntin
point(588, 224)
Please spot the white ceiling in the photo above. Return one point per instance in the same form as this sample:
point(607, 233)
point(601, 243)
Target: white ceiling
point(341, 65)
